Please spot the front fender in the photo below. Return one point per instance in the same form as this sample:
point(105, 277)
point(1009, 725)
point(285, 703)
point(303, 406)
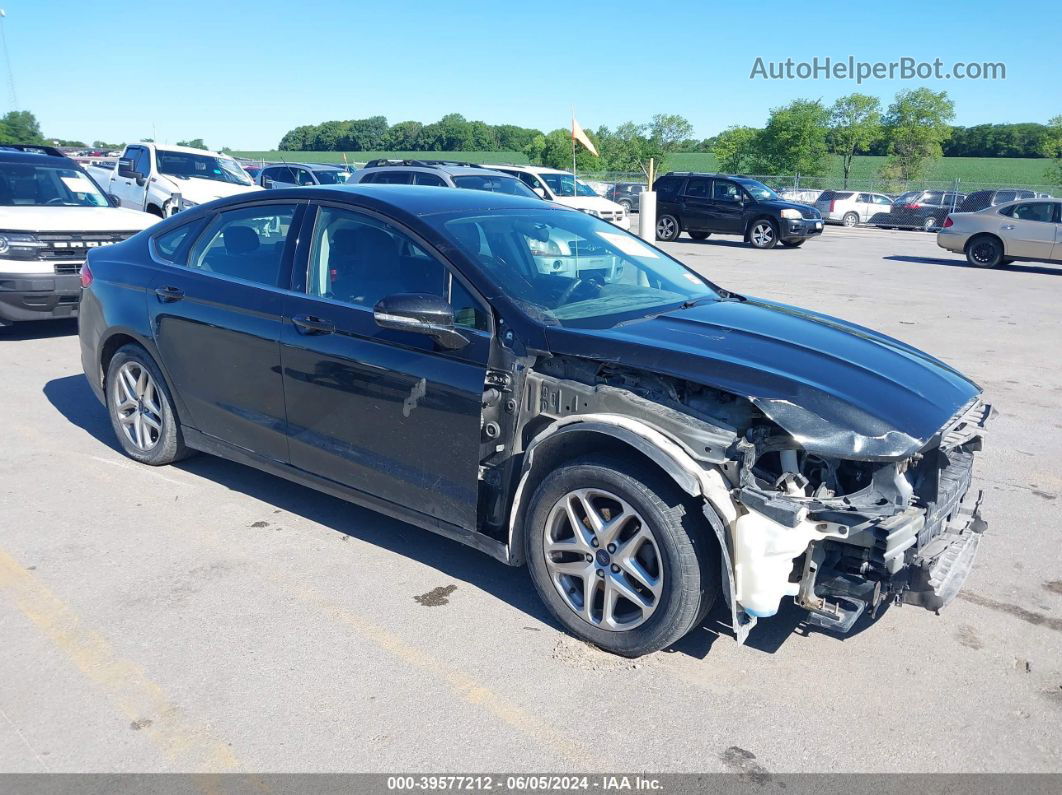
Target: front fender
point(671, 457)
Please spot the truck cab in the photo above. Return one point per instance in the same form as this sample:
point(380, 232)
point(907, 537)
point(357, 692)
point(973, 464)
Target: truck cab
point(162, 180)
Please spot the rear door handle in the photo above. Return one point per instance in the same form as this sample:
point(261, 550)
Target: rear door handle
point(309, 324)
point(168, 295)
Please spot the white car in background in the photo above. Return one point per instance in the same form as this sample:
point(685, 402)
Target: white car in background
point(850, 208)
point(1027, 230)
point(162, 180)
point(565, 188)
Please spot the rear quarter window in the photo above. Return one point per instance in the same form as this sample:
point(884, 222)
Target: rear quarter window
point(172, 246)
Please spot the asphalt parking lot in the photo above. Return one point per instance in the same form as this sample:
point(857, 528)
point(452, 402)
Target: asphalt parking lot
point(207, 617)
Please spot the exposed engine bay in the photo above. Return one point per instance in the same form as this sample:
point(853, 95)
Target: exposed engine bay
point(892, 520)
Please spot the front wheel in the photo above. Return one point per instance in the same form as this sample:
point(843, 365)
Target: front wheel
point(984, 252)
point(699, 235)
point(667, 228)
point(617, 556)
point(763, 234)
point(141, 409)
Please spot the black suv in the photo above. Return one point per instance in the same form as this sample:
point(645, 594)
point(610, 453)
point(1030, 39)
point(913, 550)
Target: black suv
point(980, 199)
point(704, 203)
point(549, 389)
point(627, 194)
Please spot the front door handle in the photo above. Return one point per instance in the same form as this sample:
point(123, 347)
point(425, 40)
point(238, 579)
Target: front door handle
point(168, 295)
point(1007, 226)
point(309, 324)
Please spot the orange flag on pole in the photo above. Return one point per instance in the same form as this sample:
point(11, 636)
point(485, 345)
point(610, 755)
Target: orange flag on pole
point(582, 137)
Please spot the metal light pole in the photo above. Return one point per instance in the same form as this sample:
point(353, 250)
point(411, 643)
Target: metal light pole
point(7, 60)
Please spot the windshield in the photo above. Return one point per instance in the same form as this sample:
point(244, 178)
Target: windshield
point(759, 191)
point(186, 164)
point(31, 184)
point(499, 184)
point(330, 177)
point(570, 269)
point(567, 185)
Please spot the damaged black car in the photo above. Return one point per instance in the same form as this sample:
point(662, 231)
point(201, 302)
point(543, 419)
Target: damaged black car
point(551, 390)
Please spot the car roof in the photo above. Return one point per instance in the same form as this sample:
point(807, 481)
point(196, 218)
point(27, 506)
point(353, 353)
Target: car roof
point(14, 156)
point(411, 199)
point(455, 171)
point(529, 169)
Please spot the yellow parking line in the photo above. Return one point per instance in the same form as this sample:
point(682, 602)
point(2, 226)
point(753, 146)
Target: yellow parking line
point(139, 699)
point(464, 685)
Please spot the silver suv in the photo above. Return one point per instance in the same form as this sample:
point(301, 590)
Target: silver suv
point(441, 174)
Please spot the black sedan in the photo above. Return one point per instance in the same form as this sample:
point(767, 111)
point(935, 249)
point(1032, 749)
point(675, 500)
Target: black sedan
point(542, 386)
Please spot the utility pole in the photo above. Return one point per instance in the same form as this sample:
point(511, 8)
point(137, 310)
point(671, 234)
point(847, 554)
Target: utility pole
point(7, 60)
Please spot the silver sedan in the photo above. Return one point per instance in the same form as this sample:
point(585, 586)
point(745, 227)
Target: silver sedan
point(1028, 230)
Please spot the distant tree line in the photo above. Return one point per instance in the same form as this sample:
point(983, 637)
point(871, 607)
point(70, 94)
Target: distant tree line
point(452, 133)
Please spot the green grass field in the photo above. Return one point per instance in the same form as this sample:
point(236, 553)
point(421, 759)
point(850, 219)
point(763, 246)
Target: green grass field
point(972, 172)
point(362, 157)
point(1017, 171)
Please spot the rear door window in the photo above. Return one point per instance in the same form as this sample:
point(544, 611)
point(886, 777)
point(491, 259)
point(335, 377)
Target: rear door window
point(697, 189)
point(246, 243)
point(424, 178)
point(393, 178)
point(1035, 211)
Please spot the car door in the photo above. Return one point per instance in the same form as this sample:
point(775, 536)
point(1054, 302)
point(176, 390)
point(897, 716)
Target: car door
point(879, 204)
point(696, 211)
point(387, 413)
point(124, 184)
point(216, 317)
point(864, 205)
point(1029, 230)
point(727, 207)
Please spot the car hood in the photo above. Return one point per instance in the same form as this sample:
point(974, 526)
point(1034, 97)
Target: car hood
point(201, 190)
point(783, 204)
point(73, 219)
point(839, 389)
point(588, 203)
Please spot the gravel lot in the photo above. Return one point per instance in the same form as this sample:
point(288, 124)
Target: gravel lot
point(206, 617)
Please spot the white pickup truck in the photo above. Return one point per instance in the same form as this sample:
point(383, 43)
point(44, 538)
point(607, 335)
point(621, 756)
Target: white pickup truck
point(163, 180)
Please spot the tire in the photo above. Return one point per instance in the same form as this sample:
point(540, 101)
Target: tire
point(763, 233)
point(793, 243)
point(929, 224)
point(670, 548)
point(850, 219)
point(141, 409)
point(668, 228)
point(699, 235)
point(626, 205)
point(984, 251)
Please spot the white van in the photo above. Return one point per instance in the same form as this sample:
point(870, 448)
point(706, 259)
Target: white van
point(564, 188)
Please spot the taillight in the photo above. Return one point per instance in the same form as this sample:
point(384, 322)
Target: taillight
point(913, 206)
point(86, 275)
point(948, 222)
point(833, 203)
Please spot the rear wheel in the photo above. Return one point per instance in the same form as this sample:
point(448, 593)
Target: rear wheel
point(667, 228)
point(141, 409)
point(850, 219)
point(617, 556)
point(984, 251)
point(763, 234)
point(626, 205)
point(929, 224)
point(699, 235)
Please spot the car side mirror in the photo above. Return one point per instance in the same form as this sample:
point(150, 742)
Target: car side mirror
point(114, 200)
point(420, 313)
point(125, 169)
point(267, 182)
point(540, 191)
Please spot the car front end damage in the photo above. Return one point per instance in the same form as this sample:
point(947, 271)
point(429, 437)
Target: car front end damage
point(841, 522)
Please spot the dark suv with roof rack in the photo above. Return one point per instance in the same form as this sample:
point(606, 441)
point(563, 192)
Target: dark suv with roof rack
point(440, 174)
point(700, 204)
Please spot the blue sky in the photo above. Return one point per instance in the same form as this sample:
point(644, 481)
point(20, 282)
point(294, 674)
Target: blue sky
point(240, 73)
